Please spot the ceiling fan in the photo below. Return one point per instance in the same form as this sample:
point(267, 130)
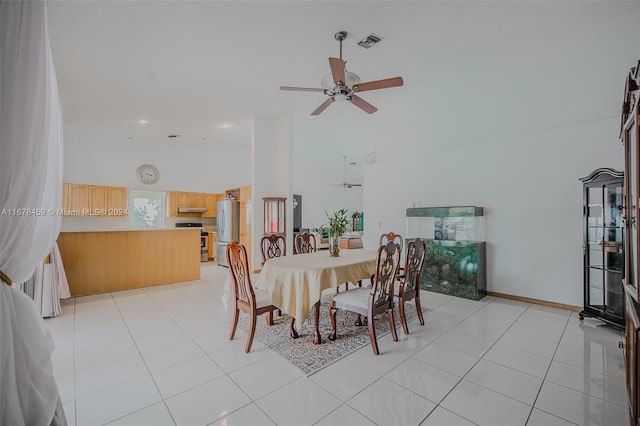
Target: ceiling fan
point(344, 184)
point(341, 85)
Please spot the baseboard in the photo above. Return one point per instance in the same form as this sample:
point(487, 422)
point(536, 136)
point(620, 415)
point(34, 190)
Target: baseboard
point(535, 301)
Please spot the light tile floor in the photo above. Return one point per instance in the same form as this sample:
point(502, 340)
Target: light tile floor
point(161, 356)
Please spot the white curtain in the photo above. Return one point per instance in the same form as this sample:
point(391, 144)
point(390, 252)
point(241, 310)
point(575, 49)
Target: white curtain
point(30, 190)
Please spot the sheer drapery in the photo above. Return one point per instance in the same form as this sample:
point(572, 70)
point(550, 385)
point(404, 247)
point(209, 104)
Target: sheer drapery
point(30, 190)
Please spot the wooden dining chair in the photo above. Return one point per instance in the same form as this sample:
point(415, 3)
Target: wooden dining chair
point(377, 299)
point(272, 245)
point(409, 281)
point(304, 243)
point(391, 236)
point(248, 300)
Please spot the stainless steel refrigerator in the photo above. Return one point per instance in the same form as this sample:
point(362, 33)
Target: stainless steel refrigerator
point(227, 227)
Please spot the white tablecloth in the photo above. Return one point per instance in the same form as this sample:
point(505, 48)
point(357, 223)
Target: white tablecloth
point(295, 283)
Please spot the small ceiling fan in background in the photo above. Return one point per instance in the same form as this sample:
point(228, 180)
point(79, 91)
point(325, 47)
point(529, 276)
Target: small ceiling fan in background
point(341, 85)
point(344, 184)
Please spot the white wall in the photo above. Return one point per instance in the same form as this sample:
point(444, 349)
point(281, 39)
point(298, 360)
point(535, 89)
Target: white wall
point(512, 136)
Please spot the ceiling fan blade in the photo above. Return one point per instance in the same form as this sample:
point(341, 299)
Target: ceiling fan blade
point(362, 104)
point(379, 84)
point(301, 89)
point(337, 70)
point(322, 107)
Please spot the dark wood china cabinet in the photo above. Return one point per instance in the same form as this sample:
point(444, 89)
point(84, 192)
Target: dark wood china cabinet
point(629, 135)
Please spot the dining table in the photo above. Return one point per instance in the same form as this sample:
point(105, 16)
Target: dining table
point(296, 282)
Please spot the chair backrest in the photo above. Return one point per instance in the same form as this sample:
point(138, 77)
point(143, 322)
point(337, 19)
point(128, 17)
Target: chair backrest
point(239, 269)
point(305, 243)
point(416, 251)
point(272, 245)
point(387, 264)
point(396, 238)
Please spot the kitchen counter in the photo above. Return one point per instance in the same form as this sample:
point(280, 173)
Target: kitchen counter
point(105, 261)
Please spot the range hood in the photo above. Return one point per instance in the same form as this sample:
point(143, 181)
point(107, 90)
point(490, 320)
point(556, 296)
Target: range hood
point(191, 210)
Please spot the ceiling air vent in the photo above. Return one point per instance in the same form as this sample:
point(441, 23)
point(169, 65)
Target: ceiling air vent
point(369, 41)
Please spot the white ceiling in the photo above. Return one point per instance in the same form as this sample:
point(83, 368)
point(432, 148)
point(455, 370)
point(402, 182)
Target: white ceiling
point(188, 66)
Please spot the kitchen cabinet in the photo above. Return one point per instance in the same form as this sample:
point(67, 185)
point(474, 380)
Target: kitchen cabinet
point(210, 203)
point(603, 253)
point(78, 199)
point(117, 201)
point(178, 199)
point(93, 200)
point(212, 245)
point(197, 199)
point(98, 200)
point(245, 228)
point(245, 193)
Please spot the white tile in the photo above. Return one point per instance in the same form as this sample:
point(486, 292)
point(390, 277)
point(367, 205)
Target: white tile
point(580, 408)
point(519, 360)
point(467, 343)
point(107, 375)
point(189, 374)
point(345, 416)
point(479, 329)
point(484, 317)
point(117, 401)
point(606, 365)
point(590, 382)
point(538, 318)
point(540, 418)
point(247, 415)
point(423, 379)
point(454, 311)
point(105, 354)
point(155, 415)
point(300, 402)
point(220, 339)
point(388, 358)
point(374, 403)
point(66, 387)
point(529, 344)
point(332, 378)
point(484, 406)
point(171, 355)
point(507, 381)
point(160, 339)
point(70, 412)
point(207, 403)
point(232, 358)
point(447, 359)
point(63, 364)
point(265, 376)
point(443, 417)
point(603, 341)
point(539, 332)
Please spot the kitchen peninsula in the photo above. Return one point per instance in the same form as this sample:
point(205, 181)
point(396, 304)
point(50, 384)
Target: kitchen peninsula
point(106, 261)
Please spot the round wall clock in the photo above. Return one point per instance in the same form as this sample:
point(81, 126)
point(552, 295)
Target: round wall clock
point(147, 173)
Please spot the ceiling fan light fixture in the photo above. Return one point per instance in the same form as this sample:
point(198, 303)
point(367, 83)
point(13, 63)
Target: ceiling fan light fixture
point(350, 77)
point(340, 97)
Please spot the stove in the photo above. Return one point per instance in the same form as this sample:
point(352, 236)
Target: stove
point(204, 239)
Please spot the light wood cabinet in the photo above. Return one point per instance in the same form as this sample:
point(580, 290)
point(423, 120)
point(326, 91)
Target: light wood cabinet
point(78, 200)
point(117, 201)
point(93, 200)
point(245, 240)
point(212, 245)
point(98, 200)
point(245, 193)
point(184, 199)
point(210, 203)
point(197, 199)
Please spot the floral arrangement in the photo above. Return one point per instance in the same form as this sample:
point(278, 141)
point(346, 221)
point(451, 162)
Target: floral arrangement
point(337, 222)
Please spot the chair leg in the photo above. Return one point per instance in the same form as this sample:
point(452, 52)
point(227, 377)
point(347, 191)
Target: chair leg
point(372, 336)
point(392, 325)
point(359, 283)
point(419, 308)
point(252, 332)
point(234, 324)
point(292, 331)
point(270, 318)
point(403, 318)
point(279, 312)
point(358, 320)
point(332, 317)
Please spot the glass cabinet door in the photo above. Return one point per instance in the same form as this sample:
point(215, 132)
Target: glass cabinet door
point(603, 246)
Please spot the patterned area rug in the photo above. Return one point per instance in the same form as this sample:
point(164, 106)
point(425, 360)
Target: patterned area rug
point(310, 358)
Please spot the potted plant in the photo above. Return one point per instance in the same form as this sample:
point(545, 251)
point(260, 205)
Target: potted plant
point(337, 226)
